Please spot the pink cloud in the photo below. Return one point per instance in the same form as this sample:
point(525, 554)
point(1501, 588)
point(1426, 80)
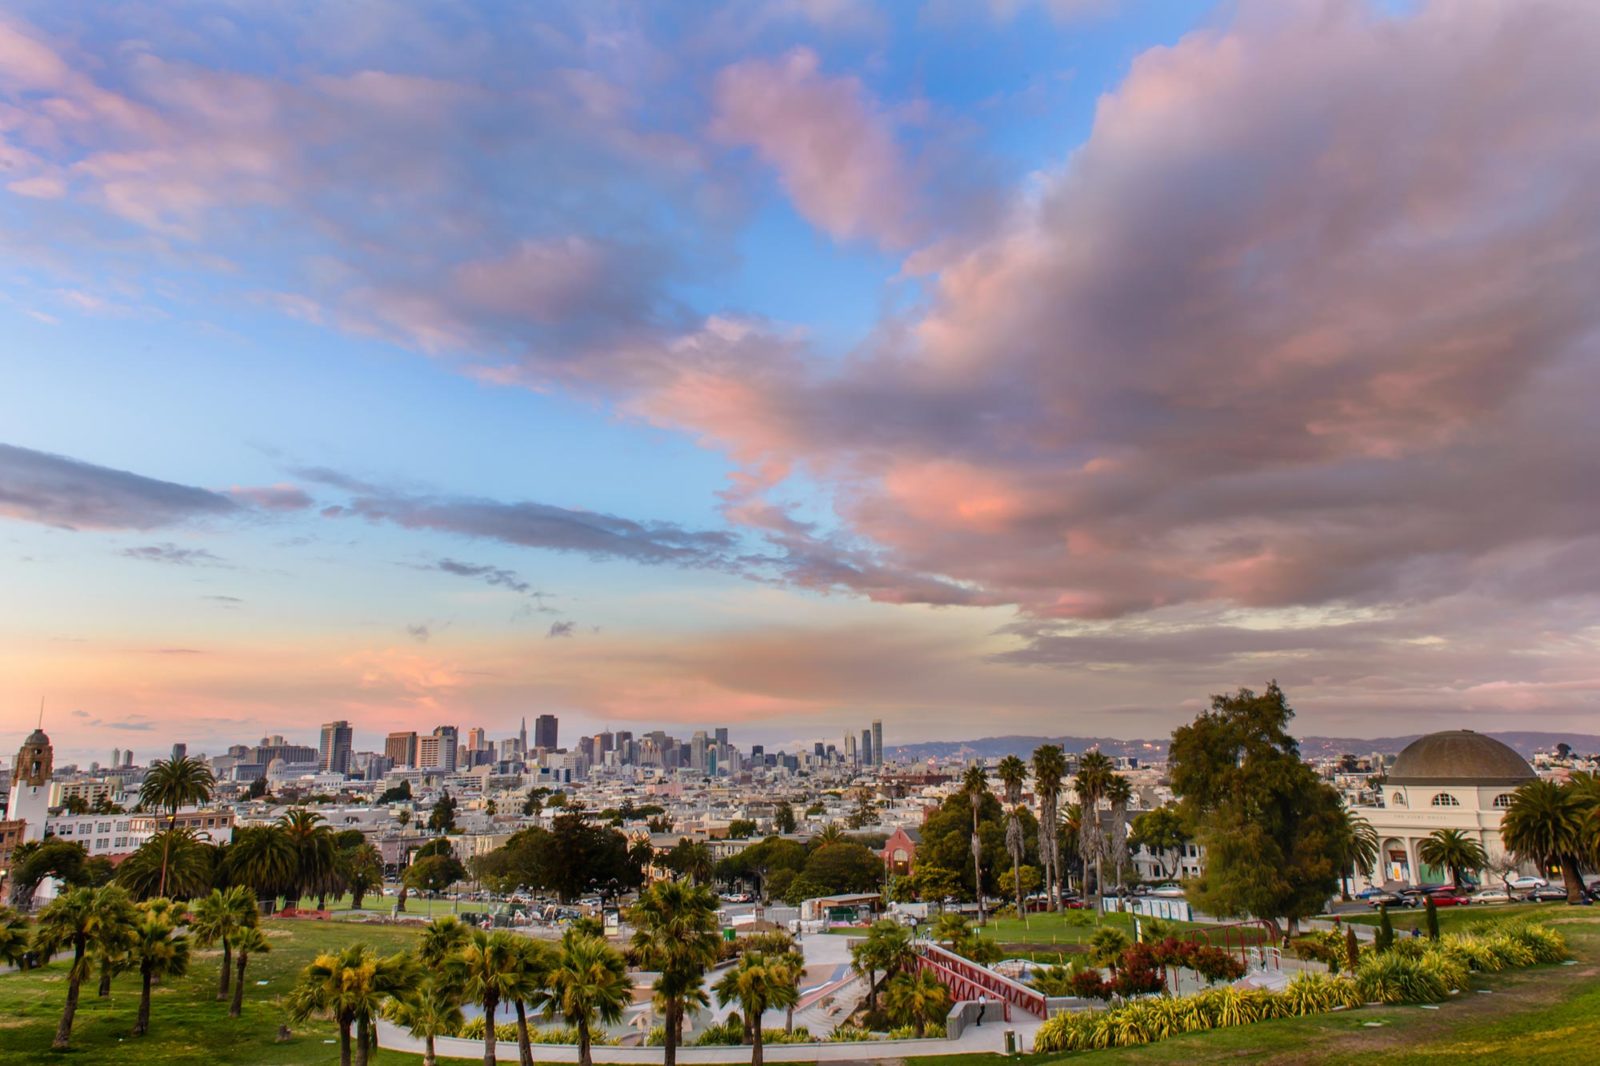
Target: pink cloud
point(833, 148)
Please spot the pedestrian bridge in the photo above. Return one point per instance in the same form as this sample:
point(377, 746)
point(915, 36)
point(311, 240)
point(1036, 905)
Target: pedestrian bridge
point(969, 981)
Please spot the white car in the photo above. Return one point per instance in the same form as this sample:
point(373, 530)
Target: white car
point(1168, 890)
point(1526, 881)
point(1492, 895)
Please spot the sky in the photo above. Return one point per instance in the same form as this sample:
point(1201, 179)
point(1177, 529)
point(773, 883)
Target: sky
point(984, 368)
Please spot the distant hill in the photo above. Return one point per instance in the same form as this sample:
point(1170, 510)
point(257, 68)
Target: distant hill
point(1311, 747)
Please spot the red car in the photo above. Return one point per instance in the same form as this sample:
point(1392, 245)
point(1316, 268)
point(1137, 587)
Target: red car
point(1449, 899)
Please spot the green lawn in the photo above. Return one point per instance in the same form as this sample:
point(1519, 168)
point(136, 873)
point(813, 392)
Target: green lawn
point(187, 1025)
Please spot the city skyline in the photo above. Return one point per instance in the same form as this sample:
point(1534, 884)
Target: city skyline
point(793, 367)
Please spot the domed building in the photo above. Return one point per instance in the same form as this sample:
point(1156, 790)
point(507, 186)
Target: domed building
point(1457, 779)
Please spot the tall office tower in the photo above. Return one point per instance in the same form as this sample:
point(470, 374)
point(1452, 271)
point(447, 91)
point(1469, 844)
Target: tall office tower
point(877, 742)
point(756, 753)
point(606, 742)
point(127, 758)
point(722, 736)
point(850, 748)
point(402, 748)
point(697, 750)
point(116, 758)
point(866, 747)
point(334, 753)
point(447, 746)
point(625, 748)
point(711, 760)
point(180, 751)
point(817, 749)
point(522, 735)
point(586, 747)
point(544, 732)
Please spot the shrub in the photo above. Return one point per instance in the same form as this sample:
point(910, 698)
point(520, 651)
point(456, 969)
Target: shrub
point(1327, 948)
point(1053, 980)
point(1391, 977)
point(1545, 943)
point(850, 1033)
point(1088, 984)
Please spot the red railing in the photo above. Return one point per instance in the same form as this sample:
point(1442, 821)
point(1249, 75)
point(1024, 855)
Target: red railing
point(1244, 939)
point(969, 981)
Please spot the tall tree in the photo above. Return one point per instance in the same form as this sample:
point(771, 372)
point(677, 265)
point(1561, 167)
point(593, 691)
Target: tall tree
point(159, 950)
point(975, 784)
point(675, 935)
point(76, 919)
point(588, 983)
point(1546, 824)
point(171, 784)
point(1356, 848)
point(1013, 773)
point(1272, 830)
point(1093, 779)
point(218, 919)
point(362, 868)
point(1049, 766)
point(1453, 850)
point(886, 949)
point(783, 820)
point(441, 938)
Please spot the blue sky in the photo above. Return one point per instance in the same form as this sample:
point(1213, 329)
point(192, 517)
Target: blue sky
point(811, 361)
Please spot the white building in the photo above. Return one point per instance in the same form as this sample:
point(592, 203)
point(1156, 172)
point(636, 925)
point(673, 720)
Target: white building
point(1451, 780)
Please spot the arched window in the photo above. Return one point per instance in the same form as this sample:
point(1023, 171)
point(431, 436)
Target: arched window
point(1444, 799)
point(1503, 800)
point(1399, 799)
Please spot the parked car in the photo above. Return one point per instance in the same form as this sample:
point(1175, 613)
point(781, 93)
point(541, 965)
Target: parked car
point(1449, 898)
point(1526, 881)
point(1393, 899)
point(1168, 890)
point(1370, 891)
point(1547, 894)
point(1492, 895)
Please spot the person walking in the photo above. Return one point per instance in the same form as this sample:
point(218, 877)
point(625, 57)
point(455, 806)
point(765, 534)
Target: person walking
point(983, 1005)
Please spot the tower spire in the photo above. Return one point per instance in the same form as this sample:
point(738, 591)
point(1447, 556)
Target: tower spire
point(41, 712)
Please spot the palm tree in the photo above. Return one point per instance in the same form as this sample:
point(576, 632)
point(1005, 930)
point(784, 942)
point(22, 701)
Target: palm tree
point(350, 987)
point(1118, 793)
point(918, 997)
point(316, 861)
point(975, 783)
point(758, 983)
point(432, 1009)
point(1453, 850)
point(247, 942)
point(218, 919)
point(675, 934)
point(1545, 824)
point(172, 864)
point(491, 970)
point(534, 962)
point(832, 833)
point(112, 947)
point(169, 785)
point(588, 982)
point(160, 951)
point(1357, 850)
point(362, 869)
point(1093, 777)
point(77, 918)
point(1049, 767)
point(441, 938)
point(13, 938)
point(263, 857)
point(1013, 773)
point(886, 949)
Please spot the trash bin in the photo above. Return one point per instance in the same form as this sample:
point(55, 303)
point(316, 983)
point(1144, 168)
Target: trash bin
point(1011, 1041)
